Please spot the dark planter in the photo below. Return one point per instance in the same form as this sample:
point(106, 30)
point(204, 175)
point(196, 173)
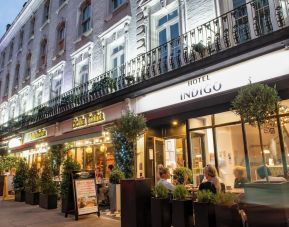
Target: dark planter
point(1, 185)
point(19, 195)
point(265, 216)
point(161, 212)
point(182, 213)
point(32, 198)
point(67, 205)
point(48, 201)
point(204, 215)
point(135, 202)
point(227, 216)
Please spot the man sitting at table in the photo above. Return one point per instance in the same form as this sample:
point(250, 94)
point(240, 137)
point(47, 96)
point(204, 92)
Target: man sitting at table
point(261, 171)
point(164, 175)
point(212, 182)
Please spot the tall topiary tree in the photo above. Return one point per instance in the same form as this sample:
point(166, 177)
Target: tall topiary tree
point(57, 154)
point(255, 103)
point(33, 179)
point(21, 175)
point(47, 184)
point(124, 138)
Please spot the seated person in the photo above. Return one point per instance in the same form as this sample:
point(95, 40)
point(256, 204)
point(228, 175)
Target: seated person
point(164, 175)
point(261, 171)
point(240, 179)
point(212, 182)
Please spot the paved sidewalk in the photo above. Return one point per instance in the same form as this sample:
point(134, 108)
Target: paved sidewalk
point(15, 214)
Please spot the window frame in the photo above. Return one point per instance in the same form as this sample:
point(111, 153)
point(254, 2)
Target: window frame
point(28, 65)
point(85, 21)
point(43, 53)
point(46, 11)
point(60, 36)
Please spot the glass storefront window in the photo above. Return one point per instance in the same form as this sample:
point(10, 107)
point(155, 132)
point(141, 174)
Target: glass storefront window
point(226, 117)
point(230, 152)
point(80, 156)
point(271, 146)
point(202, 148)
point(200, 122)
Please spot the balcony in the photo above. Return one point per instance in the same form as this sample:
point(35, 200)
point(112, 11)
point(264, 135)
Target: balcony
point(244, 26)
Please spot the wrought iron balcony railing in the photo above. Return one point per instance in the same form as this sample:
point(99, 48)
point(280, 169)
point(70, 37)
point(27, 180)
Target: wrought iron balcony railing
point(247, 22)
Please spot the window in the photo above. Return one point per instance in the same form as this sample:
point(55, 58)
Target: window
point(60, 36)
point(11, 49)
point(43, 49)
point(86, 17)
point(117, 3)
point(55, 87)
point(117, 60)
point(32, 26)
point(242, 30)
point(46, 11)
point(2, 59)
point(262, 19)
point(16, 79)
point(7, 84)
point(28, 66)
point(38, 97)
point(21, 37)
point(168, 29)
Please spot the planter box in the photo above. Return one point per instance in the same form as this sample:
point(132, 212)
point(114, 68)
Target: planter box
point(182, 213)
point(114, 197)
point(135, 202)
point(204, 215)
point(161, 212)
point(32, 198)
point(48, 201)
point(227, 216)
point(19, 195)
point(1, 185)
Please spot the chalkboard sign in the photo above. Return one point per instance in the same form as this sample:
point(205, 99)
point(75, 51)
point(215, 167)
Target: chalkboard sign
point(85, 197)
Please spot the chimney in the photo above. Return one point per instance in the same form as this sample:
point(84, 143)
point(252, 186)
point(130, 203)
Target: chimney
point(7, 27)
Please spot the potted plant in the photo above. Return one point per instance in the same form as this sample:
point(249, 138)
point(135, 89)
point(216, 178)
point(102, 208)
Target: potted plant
point(204, 209)
point(57, 154)
point(19, 181)
point(48, 195)
point(199, 48)
point(67, 198)
point(183, 175)
point(226, 210)
point(114, 189)
point(1, 175)
point(32, 186)
point(161, 213)
point(182, 208)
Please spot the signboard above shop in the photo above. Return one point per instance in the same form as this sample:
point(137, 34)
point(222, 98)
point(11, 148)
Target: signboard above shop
point(91, 118)
point(259, 69)
point(35, 135)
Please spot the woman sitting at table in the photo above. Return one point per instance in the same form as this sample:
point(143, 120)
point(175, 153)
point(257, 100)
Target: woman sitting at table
point(240, 179)
point(212, 182)
point(164, 175)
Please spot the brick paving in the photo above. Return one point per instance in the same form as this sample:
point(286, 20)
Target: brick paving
point(16, 214)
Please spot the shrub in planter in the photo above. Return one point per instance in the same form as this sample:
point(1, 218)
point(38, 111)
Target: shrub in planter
point(19, 180)
point(32, 186)
point(227, 211)
point(69, 165)
point(161, 210)
point(114, 189)
point(182, 208)
point(48, 195)
point(204, 209)
point(183, 175)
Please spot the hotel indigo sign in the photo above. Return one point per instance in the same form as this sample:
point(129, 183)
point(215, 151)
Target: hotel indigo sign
point(88, 119)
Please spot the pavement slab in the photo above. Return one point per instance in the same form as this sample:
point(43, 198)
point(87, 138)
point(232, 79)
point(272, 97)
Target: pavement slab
point(16, 214)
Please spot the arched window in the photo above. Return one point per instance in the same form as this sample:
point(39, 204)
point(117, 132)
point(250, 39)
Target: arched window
point(32, 25)
point(16, 78)
point(43, 50)
point(28, 66)
point(85, 19)
point(46, 11)
point(61, 36)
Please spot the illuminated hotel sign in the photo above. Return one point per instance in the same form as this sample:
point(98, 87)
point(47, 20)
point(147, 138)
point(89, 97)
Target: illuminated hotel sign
point(38, 134)
point(255, 70)
point(88, 119)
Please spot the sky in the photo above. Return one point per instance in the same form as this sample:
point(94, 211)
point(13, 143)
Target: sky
point(9, 9)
